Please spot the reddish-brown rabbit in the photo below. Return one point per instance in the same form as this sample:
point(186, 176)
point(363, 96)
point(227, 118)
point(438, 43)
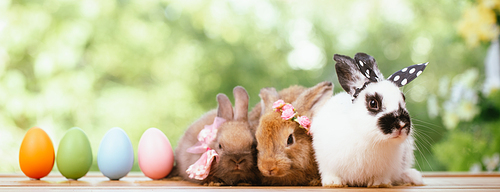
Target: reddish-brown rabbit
point(285, 153)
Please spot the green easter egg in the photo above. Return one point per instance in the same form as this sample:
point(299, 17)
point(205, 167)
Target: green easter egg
point(74, 154)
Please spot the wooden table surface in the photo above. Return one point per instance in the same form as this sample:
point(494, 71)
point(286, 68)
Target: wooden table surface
point(95, 181)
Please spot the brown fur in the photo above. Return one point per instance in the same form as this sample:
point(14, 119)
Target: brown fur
point(281, 164)
point(288, 95)
point(236, 163)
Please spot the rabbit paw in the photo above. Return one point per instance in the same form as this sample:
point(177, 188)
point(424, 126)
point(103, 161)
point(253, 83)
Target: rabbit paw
point(412, 177)
point(217, 184)
point(335, 186)
point(333, 182)
point(244, 184)
point(379, 183)
point(382, 185)
point(315, 182)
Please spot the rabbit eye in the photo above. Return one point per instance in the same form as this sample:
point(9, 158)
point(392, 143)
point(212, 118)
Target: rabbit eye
point(220, 146)
point(289, 141)
point(373, 104)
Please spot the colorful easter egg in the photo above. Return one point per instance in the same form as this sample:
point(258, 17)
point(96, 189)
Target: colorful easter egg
point(36, 156)
point(74, 154)
point(155, 154)
point(116, 155)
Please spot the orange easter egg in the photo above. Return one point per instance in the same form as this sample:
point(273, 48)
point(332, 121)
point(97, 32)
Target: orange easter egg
point(36, 156)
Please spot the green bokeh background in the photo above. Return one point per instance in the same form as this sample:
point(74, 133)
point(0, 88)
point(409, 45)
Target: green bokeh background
point(157, 63)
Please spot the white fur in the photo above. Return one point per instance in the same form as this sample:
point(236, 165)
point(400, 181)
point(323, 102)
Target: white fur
point(351, 150)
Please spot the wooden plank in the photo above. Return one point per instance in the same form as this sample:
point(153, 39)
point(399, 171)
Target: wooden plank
point(95, 181)
point(460, 174)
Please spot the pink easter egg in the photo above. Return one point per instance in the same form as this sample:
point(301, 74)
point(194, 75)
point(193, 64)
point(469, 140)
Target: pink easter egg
point(155, 155)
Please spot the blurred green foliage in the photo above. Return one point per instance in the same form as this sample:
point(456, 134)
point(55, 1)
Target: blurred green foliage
point(158, 63)
point(472, 144)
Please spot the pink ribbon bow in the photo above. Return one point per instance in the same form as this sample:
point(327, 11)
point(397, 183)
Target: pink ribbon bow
point(200, 169)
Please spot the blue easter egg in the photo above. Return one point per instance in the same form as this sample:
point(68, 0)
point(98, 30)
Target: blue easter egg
point(116, 155)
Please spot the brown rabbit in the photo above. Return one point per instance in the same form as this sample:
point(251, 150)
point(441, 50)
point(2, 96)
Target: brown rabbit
point(234, 143)
point(289, 94)
point(285, 153)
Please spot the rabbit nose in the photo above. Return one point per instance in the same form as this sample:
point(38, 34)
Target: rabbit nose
point(401, 125)
point(272, 171)
point(269, 168)
point(237, 163)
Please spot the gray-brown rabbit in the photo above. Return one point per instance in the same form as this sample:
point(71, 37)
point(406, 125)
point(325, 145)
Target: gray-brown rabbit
point(234, 143)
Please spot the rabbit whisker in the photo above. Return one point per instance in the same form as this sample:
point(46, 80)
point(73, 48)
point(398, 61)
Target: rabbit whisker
point(425, 158)
point(421, 135)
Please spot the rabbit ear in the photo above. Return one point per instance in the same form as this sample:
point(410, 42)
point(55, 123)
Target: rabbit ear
point(368, 67)
point(308, 102)
point(404, 76)
point(354, 73)
point(240, 103)
point(225, 109)
point(268, 96)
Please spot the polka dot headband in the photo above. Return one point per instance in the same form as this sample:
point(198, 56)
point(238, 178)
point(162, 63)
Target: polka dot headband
point(400, 78)
point(404, 76)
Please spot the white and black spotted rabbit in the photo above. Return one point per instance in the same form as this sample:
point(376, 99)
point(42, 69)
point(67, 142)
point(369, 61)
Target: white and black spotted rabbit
point(363, 137)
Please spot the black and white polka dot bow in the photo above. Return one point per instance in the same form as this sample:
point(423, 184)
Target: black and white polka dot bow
point(404, 76)
point(400, 78)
